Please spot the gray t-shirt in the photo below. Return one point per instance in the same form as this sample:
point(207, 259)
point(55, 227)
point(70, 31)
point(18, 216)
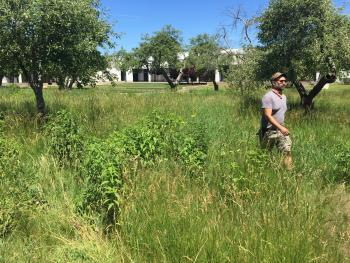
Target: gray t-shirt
point(278, 104)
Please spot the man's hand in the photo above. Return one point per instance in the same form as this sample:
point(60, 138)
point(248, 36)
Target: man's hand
point(284, 131)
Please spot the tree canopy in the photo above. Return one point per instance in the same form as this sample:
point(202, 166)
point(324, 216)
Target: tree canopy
point(299, 36)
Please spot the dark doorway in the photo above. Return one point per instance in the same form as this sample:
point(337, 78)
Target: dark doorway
point(123, 76)
point(135, 75)
point(145, 75)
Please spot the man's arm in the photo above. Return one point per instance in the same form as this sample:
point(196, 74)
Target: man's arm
point(268, 115)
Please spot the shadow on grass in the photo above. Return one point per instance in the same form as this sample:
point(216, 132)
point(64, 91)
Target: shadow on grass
point(23, 116)
point(24, 108)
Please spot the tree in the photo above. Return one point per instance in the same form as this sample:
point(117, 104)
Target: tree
point(81, 68)
point(245, 72)
point(159, 52)
point(298, 37)
point(204, 55)
point(130, 60)
point(303, 37)
point(124, 60)
point(52, 38)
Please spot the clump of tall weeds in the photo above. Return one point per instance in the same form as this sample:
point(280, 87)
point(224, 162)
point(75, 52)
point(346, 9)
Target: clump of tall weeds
point(64, 138)
point(17, 194)
point(156, 137)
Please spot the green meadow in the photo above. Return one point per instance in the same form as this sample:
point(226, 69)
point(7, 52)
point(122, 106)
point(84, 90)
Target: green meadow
point(210, 194)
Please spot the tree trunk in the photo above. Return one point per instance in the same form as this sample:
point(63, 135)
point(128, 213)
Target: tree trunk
point(70, 83)
point(307, 98)
point(36, 83)
point(80, 84)
point(1, 77)
point(301, 90)
point(329, 78)
point(65, 83)
point(216, 86)
point(38, 91)
point(165, 75)
point(179, 77)
point(60, 82)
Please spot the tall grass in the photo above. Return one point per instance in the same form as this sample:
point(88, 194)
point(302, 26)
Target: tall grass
point(244, 207)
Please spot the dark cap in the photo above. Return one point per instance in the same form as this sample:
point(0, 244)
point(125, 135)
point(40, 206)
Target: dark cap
point(277, 75)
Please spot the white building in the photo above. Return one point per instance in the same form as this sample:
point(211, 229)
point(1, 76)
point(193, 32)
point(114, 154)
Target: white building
point(143, 75)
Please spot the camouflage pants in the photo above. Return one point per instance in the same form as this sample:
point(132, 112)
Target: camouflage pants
point(274, 138)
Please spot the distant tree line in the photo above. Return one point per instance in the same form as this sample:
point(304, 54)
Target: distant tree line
point(163, 53)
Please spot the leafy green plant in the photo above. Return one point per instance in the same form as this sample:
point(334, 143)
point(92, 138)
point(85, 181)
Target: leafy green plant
point(65, 141)
point(152, 138)
point(103, 172)
point(192, 147)
point(140, 143)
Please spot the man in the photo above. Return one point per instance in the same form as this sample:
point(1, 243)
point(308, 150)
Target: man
point(272, 131)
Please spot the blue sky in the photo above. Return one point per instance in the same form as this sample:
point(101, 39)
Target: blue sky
point(135, 18)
